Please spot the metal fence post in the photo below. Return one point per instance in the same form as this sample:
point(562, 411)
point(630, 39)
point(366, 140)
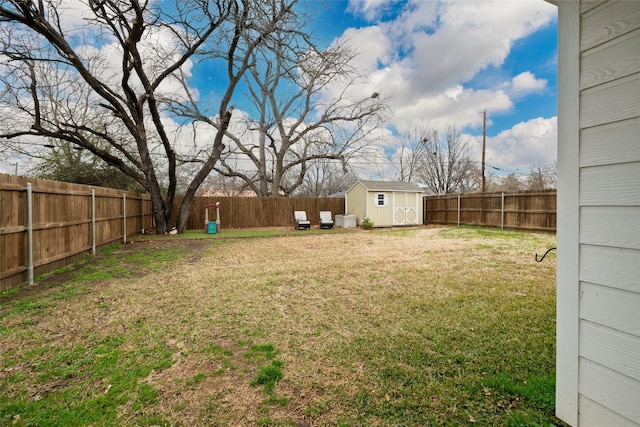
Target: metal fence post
point(502, 213)
point(93, 222)
point(124, 218)
point(29, 233)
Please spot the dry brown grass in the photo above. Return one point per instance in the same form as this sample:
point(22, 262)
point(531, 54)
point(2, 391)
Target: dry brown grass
point(318, 299)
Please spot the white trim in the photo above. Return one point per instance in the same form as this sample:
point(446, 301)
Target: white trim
point(568, 219)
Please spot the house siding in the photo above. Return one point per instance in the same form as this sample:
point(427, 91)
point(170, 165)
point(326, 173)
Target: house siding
point(608, 248)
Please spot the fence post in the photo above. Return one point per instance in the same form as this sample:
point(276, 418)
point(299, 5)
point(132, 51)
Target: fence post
point(502, 213)
point(142, 211)
point(93, 222)
point(459, 208)
point(29, 233)
point(124, 218)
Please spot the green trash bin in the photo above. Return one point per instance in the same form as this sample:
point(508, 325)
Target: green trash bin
point(212, 227)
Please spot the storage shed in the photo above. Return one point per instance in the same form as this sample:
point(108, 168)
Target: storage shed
point(598, 297)
point(386, 203)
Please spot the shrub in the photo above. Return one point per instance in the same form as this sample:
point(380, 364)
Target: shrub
point(367, 224)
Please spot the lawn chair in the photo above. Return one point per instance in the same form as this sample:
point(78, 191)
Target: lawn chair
point(301, 220)
point(325, 219)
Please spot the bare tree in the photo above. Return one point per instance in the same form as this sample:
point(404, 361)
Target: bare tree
point(541, 177)
point(323, 178)
point(119, 62)
point(446, 167)
point(413, 152)
point(297, 124)
point(510, 183)
point(220, 185)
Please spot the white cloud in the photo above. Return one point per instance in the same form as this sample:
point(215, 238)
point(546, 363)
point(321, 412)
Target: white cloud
point(369, 9)
point(73, 15)
point(159, 48)
point(428, 55)
point(525, 83)
point(457, 105)
point(434, 46)
point(374, 47)
point(525, 144)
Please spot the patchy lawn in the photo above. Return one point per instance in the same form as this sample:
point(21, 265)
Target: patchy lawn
point(421, 326)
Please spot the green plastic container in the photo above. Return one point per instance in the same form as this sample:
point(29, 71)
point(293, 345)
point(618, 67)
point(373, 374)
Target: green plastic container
point(212, 228)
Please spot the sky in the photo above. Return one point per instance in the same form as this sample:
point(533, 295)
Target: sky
point(441, 63)
point(446, 62)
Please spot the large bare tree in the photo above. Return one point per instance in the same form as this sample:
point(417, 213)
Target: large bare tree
point(299, 118)
point(121, 63)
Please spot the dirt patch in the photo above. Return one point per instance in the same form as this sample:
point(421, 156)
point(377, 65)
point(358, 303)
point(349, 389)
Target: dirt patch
point(52, 281)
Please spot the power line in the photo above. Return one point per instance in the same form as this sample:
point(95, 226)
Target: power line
point(240, 157)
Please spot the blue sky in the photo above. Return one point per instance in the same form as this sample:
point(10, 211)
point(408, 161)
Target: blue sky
point(442, 63)
point(445, 62)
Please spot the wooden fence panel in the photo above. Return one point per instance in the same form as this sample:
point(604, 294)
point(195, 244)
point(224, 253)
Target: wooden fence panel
point(62, 229)
point(516, 210)
point(254, 212)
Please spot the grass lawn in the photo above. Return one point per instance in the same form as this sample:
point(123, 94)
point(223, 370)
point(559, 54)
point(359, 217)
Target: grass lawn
point(407, 327)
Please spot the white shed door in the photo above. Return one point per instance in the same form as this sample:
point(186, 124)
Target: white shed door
point(403, 213)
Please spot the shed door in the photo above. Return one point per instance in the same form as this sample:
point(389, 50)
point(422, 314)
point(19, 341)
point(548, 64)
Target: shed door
point(404, 212)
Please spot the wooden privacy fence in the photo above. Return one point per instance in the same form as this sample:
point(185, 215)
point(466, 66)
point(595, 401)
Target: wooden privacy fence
point(251, 212)
point(45, 225)
point(515, 210)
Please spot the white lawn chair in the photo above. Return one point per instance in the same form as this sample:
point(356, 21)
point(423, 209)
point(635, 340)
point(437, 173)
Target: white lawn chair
point(325, 219)
point(301, 220)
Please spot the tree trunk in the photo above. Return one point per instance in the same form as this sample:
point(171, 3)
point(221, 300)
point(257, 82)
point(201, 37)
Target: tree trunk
point(189, 196)
point(159, 211)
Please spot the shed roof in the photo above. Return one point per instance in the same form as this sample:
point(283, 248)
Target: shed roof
point(391, 186)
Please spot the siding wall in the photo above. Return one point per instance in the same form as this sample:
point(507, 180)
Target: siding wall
point(608, 249)
point(381, 216)
point(356, 202)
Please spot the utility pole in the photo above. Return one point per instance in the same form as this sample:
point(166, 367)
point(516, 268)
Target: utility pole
point(484, 147)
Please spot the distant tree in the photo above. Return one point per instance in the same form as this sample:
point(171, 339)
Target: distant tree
point(510, 183)
point(223, 186)
point(413, 152)
point(541, 177)
point(471, 181)
point(70, 163)
point(325, 177)
point(446, 167)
